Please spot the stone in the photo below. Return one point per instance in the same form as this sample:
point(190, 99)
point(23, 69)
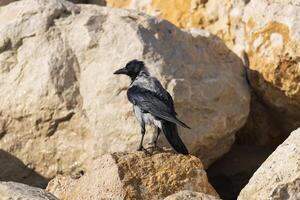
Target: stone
point(13, 169)
point(191, 195)
point(17, 191)
point(279, 176)
point(136, 175)
point(61, 104)
point(231, 173)
point(222, 18)
point(262, 127)
point(272, 45)
point(97, 2)
point(5, 2)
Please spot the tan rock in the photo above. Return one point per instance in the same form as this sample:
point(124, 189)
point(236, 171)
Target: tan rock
point(97, 2)
point(272, 41)
point(191, 195)
point(17, 191)
point(60, 103)
point(279, 176)
point(222, 18)
point(135, 176)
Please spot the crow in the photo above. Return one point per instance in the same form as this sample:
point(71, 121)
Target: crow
point(152, 105)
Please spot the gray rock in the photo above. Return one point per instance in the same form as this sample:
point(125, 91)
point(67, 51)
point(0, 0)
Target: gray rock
point(17, 191)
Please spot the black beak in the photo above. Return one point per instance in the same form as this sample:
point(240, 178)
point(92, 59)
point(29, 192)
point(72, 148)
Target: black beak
point(121, 71)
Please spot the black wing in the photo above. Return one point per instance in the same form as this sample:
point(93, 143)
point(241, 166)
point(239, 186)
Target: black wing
point(154, 103)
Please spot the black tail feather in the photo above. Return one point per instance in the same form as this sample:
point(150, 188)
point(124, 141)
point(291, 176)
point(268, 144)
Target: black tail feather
point(181, 123)
point(171, 133)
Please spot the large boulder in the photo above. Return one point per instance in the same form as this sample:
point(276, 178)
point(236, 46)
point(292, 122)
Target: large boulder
point(279, 176)
point(19, 191)
point(61, 104)
point(272, 45)
point(134, 176)
point(191, 195)
point(219, 17)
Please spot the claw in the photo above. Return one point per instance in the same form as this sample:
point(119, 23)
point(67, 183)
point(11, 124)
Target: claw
point(141, 148)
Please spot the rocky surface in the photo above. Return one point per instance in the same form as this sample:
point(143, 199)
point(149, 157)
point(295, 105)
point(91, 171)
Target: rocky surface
point(222, 18)
point(135, 176)
point(13, 169)
point(262, 127)
point(61, 104)
point(279, 176)
point(275, 104)
point(272, 44)
point(191, 195)
point(18, 191)
point(97, 2)
point(231, 173)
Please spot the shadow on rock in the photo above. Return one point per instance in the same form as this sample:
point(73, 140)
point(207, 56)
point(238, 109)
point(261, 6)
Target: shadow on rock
point(232, 172)
point(273, 114)
point(13, 169)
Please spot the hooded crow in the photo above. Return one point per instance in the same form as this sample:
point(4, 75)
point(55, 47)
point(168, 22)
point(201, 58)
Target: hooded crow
point(152, 105)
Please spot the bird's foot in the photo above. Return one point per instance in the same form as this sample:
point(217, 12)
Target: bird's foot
point(154, 147)
point(141, 148)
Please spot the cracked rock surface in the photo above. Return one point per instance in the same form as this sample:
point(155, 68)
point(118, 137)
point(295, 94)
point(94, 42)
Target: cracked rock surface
point(61, 105)
point(272, 43)
point(135, 175)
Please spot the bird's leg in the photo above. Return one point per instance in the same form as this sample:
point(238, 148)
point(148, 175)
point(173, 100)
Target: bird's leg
point(157, 135)
point(143, 130)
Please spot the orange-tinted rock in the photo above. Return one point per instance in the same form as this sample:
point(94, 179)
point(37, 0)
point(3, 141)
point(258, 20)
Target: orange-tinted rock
point(134, 176)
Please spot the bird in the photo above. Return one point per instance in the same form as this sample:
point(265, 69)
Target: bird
point(152, 105)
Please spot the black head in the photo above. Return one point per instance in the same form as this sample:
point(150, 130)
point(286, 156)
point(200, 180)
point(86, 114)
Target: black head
point(132, 69)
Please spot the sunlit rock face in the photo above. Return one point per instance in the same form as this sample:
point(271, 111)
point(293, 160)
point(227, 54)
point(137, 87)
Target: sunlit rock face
point(222, 18)
point(272, 45)
point(61, 104)
point(135, 175)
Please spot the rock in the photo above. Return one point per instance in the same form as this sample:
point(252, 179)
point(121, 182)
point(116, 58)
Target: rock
point(17, 191)
point(135, 176)
point(272, 44)
point(59, 94)
point(262, 127)
point(231, 173)
point(5, 2)
point(279, 176)
point(13, 169)
point(222, 18)
point(191, 195)
point(97, 2)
